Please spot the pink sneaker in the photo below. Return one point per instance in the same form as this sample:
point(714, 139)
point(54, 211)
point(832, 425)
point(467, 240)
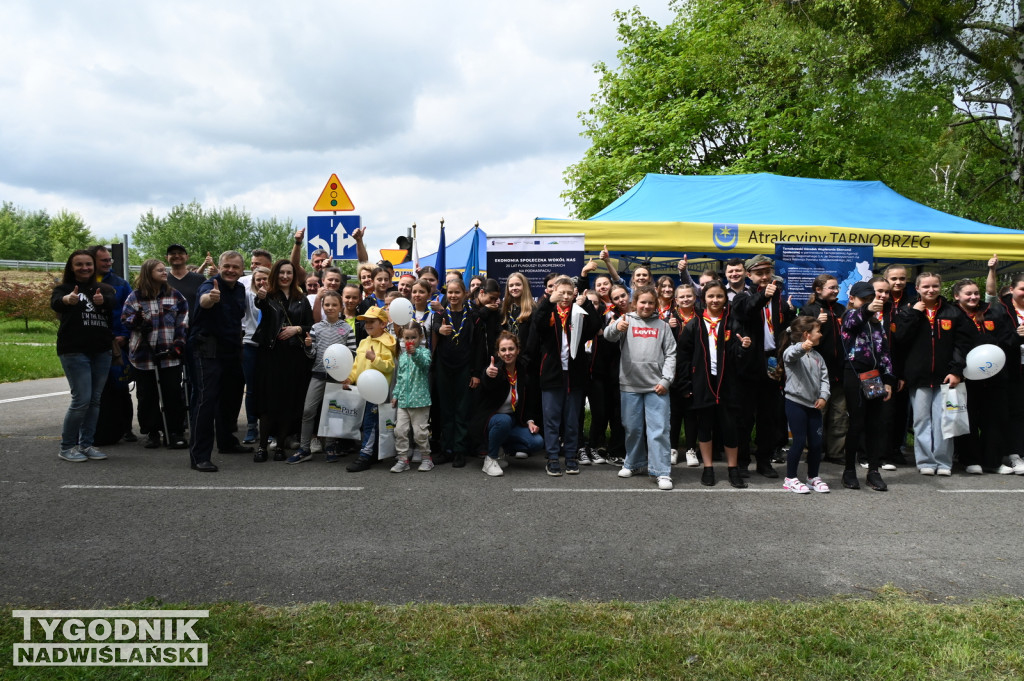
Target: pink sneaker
point(818, 485)
point(794, 485)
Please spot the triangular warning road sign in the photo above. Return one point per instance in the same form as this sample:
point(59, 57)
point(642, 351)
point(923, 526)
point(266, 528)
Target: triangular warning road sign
point(333, 197)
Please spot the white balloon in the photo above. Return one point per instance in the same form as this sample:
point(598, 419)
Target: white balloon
point(373, 386)
point(338, 361)
point(400, 311)
point(984, 361)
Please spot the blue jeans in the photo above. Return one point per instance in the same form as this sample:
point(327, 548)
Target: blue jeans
point(502, 431)
point(646, 417)
point(562, 420)
point(930, 449)
point(86, 374)
point(370, 421)
point(805, 422)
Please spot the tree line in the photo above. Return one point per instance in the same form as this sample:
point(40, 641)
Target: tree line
point(35, 235)
point(926, 96)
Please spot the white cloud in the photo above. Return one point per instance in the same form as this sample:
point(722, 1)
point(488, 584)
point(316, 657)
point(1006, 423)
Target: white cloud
point(466, 110)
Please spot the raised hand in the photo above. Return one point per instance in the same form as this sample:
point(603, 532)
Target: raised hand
point(745, 341)
point(605, 255)
point(446, 330)
point(681, 266)
point(370, 354)
point(299, 233)
point(214, 293)
point(71, 298)
point(623, 323)
point(993, 261)
point(309, 341)
point(673, 321)
point(358, 234)
point(770, 289)
point(822, 317)
point(261, 292)
point(807, 345)
point(589, 267)
point(875, 305)
point(97, 296)
point(492, 370)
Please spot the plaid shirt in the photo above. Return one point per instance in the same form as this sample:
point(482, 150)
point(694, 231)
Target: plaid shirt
point(158, 325)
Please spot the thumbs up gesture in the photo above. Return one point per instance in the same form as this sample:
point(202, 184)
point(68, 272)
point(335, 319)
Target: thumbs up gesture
point(605, 255)
point(97, 296)
point(309, 341)
point(769, 290)
point(214, 293)
point(261, 292)
point(623, 323)
point(993, 261)
point(492, 370)
point(71, 298)
point(745, 341)
point(370, 354)
point(681, 265)
point(589, 267)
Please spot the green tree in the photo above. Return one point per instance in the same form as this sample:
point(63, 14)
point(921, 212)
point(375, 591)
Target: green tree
point(23, 234)
point(214, 230)
point(739, 86)
point(68, 233)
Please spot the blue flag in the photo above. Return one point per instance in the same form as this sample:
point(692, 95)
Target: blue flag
point(473, 262)
point(439, 263)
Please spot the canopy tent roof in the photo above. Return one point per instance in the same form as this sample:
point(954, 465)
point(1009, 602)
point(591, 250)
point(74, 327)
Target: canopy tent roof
point(724, 216)
point(456, 254)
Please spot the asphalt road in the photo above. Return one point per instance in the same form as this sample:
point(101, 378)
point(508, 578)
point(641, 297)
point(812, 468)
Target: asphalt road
point(142, 524)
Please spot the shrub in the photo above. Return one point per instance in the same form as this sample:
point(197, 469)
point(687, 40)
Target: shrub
point(29, 302)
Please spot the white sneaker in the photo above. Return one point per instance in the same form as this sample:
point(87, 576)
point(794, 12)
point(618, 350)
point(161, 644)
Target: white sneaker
point(794, 485)
point(691, 458)
point(974, 469)
point(522, 455)
point(492, 468)
point(426, 465)
point(888, 467)
point(400, 466)
point(73, 455)
point(1017, 464)
point(927, 471)
point(944, 472)
point(1005, 470)
point(96, 455)
point(664, 482)
point(315, 446)
point(675, 457)
point(625, 472)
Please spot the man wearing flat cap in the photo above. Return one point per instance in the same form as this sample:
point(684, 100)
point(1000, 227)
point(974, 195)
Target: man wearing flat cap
point(765, 314)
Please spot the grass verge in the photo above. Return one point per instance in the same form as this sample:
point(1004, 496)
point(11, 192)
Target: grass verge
point(891, 636)
point(26, 362)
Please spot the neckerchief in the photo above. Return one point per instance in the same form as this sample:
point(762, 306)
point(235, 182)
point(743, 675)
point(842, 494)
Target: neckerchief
point(931, 312)
point(973, 316)
point(683, 317)
point(512, 379)
point(712, 325)
point(562, 316)
point(451, 321)
point(663, 312)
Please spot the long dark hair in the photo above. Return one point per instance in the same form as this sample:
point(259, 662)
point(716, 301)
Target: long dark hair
point(69, 271)
point(146, 285)
point(795, 333)
point(273, 286)
point(819, 284)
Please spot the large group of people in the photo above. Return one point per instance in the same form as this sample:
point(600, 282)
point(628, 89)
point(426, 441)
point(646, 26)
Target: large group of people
point(675, 371)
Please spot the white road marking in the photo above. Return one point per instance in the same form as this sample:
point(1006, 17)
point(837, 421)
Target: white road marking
point(642, 491)
point(213, 487)
point(980, 491)
point(33, 397)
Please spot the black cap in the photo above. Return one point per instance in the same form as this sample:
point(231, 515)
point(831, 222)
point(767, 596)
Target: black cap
point(177, 247)
point(862, 289)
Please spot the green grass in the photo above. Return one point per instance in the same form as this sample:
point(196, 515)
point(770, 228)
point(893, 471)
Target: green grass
point(891, 636)
point(25, 362)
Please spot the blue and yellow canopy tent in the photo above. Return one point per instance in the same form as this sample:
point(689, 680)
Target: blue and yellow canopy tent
point(726, 216)
point(457, 254)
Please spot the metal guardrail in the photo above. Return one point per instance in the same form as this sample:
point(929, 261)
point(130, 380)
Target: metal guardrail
point(42, 265)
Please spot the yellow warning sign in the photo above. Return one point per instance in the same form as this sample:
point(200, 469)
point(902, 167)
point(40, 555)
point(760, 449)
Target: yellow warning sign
point(333, 197)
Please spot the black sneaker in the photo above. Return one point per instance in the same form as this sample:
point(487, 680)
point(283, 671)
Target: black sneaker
point(850, 479)
point(459, 461)
point(177, 441)
point(767, 471)
point(130, 436)
point(735, 479)
point(572, 467)
point(553, 469)
point(260, 456)
point(359, 465)
point(780, 455)
point(707, 477)
point(152, 440)
point(875, 481)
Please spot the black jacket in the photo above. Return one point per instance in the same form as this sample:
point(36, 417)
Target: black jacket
point(276, 312)
point(931, 351)
point(547, 334)
point(1004, 318)
point(831, 345)
point(494, 392)
point(693, 362)
point(84, 327)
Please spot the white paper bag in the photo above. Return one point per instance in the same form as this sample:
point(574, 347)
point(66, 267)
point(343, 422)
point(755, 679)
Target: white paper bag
point(954, 411)
point(341, 415)
point(386, 428)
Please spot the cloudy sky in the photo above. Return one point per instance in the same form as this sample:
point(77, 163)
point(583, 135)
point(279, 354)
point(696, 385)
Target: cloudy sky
point(465, 110)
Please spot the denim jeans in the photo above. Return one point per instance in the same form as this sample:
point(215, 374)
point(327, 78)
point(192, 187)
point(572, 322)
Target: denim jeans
point(646, 417)
point(930, 449)
point(370, 425)
point(562, 420)
point(502, 431)
point(86, 374)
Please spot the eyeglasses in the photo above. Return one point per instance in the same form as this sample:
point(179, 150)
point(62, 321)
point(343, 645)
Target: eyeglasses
point(104, 260)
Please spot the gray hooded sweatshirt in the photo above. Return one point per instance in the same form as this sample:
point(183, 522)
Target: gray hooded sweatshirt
point(648, 353)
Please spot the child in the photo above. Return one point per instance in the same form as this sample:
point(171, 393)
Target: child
point(331, 330)
point(376, 351)
point(807, 392)
point(412, 398)
point(646, 370)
